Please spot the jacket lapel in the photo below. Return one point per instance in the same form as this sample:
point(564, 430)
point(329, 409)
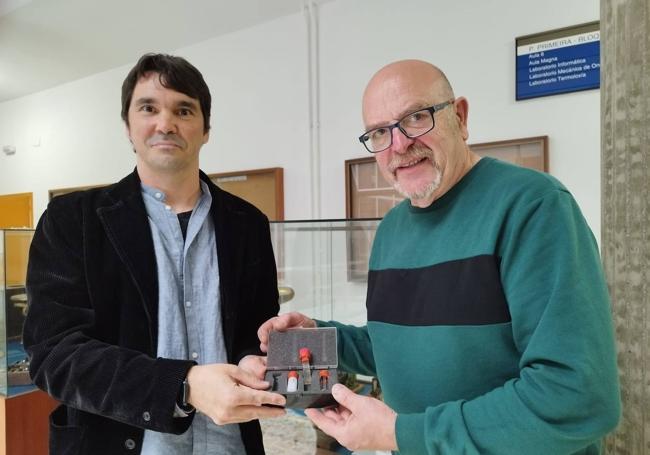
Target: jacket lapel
point(124, 218)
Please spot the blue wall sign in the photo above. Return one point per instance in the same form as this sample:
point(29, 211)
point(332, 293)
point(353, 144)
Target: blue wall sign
point(559, 61)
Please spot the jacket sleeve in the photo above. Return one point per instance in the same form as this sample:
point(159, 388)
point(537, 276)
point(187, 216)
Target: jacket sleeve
point(68, 359)
point(566, 396)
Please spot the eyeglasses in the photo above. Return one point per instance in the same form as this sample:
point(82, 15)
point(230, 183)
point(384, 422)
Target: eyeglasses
point(411, 125)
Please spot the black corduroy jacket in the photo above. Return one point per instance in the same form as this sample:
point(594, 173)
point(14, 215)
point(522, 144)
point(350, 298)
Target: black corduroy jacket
point(91, 331)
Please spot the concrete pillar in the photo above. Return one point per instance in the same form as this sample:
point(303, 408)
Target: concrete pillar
point(625, 160)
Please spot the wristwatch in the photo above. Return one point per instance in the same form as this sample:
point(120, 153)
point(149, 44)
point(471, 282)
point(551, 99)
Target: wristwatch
point(183, 397)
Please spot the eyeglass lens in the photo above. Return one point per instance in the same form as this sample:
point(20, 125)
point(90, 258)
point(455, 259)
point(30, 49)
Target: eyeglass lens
point(413, 125)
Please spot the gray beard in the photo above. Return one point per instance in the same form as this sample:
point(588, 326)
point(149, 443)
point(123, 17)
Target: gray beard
point(424, 193)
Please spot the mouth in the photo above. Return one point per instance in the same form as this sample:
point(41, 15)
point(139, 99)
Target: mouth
point(165, 141)
point(408, 164)
point(165, 144)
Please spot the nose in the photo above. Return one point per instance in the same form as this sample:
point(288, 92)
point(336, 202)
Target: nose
point(401, 142)
point(166, 123)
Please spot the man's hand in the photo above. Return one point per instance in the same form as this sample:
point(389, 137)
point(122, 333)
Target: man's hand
point(359, 423)
point(281, 323)
point(254, 364)
point(228, 394)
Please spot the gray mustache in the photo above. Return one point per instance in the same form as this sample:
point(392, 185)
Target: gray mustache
point(413, 153)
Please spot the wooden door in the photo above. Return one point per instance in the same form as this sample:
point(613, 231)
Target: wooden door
point(16, 211)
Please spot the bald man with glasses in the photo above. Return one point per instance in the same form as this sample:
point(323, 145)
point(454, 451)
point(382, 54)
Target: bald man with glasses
point(489, 321)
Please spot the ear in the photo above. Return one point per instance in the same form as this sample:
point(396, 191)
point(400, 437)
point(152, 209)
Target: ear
point(128, 133)
point(206, 136)
point(462, 111)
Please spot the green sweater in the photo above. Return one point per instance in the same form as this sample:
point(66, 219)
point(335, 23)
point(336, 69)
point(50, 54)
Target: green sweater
point(489, 321)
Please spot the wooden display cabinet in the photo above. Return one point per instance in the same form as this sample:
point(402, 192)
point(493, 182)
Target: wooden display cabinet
point(24, 410)
point(24, 423)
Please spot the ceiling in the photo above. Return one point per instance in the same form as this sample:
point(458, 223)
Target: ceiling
point(45, 43)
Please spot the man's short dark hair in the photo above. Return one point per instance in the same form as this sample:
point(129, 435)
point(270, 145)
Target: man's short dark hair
point(174, 73)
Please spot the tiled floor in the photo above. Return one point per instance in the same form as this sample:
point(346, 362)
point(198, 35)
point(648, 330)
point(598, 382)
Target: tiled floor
point(291, 434)
point(295, 435)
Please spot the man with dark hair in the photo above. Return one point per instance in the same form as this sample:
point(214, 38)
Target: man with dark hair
point(489, 322)
point(145, 296)
point(175, 73)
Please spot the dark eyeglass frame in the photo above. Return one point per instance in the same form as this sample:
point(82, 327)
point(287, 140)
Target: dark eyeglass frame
point(431, 110)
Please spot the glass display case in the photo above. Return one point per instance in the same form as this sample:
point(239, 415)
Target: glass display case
point(14, 250)
point(323, 273)
point(323, 267)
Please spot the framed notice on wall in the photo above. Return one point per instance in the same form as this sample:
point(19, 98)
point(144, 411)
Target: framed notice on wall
point(558, 61)
point(369, 195)
point(264, 188)
point(531, 152)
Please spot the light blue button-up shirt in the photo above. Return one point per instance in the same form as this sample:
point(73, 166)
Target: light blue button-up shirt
point(189, 316)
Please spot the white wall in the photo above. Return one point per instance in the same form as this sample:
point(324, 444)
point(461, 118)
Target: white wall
point(264, 70)
point(260, 70)
point(473, 42)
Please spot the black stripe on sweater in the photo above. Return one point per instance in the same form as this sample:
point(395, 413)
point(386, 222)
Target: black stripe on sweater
point(460, 292)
